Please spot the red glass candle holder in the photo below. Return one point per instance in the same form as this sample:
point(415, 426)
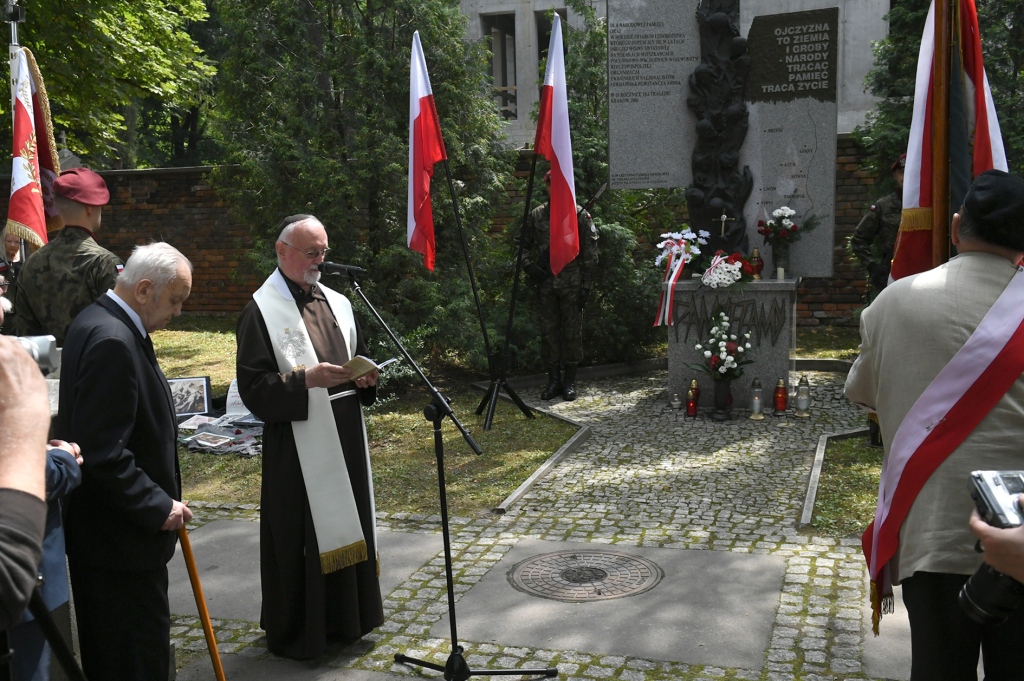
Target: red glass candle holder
point(691, 403)
point(780, 398)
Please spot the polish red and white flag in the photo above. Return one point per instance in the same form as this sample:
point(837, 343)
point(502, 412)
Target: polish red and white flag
point(553, 141)
point(35, 166)
point(981, 143)
point(426, 147)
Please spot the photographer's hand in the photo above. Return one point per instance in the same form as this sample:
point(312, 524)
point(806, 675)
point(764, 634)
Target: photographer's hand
point(1004, 548)
point(24, 420)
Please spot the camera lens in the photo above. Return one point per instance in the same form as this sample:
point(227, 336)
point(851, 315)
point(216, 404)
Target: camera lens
point(990, 597)
point(43, 349)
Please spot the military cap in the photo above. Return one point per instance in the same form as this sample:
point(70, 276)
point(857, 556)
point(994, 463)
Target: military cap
point(83, 186)
point(995, 204)
point(547, 177)
point(899, 164)
point(291, 220)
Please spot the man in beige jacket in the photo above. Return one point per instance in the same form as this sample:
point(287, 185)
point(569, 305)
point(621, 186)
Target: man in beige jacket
point(908, 334)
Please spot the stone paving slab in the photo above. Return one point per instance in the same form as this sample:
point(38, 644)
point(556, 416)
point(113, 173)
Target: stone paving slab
point(711, 607)
point(887, 656)
point(227, 554)
point(272, 668)
point(649, 478)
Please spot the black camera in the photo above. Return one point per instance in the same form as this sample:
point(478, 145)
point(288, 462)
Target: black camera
point(43, 349)
point(989, 596)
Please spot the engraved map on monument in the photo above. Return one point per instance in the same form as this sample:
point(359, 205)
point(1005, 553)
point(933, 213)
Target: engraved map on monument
point(792, 145)
point(652, 49)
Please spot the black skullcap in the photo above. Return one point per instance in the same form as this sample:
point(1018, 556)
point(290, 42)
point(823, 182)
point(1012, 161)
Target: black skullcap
point(291, 219)
point(995, 204)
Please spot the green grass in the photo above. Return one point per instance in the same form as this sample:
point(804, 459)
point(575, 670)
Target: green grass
point(827, 342)
point(848, 488)
point(198, 346)
point(401, 440)
point(404, 465)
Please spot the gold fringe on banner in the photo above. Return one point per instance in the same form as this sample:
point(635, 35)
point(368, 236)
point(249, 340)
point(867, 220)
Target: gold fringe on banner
point(879, 606)
point(24, 232)
point(341, 558)
point(53, 222)
point(916, 220)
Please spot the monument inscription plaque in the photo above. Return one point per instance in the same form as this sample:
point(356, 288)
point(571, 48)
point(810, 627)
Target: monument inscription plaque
point(653, 47)
point(791, 94)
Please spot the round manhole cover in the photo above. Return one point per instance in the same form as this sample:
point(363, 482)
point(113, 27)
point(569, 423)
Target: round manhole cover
point(578, 576)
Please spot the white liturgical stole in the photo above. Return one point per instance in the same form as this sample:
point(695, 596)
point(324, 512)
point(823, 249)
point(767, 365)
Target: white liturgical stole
point(335, 516)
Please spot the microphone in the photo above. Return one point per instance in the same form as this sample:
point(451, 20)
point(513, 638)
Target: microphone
point(335, 268)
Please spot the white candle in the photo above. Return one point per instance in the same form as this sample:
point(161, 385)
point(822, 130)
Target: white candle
point(780, 274)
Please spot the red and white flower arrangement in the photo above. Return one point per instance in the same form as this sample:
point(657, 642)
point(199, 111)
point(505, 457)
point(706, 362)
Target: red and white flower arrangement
point(726, 270)
point(724, 353)
point(781, 229)
point(679, 249)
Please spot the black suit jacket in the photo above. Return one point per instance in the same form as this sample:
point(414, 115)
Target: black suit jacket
point(116, 404)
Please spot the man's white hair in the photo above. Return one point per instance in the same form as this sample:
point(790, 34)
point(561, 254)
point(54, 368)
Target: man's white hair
point(158, 262)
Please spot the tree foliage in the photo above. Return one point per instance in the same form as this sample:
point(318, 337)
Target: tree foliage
point(314, 98)
point(886, 131)
point(98, 56)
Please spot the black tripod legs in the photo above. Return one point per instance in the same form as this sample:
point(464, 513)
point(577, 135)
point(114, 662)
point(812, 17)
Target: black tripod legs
point(456, 669)
point(491, 401)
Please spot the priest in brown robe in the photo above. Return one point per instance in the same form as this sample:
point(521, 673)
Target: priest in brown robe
point(318, 549)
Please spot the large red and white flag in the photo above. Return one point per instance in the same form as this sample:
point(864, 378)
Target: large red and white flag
point(426, 147)
point(35, 166)
point(553, 141)
point(913, 251)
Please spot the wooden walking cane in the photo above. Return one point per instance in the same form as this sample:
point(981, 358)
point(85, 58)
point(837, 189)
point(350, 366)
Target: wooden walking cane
point(197, 590)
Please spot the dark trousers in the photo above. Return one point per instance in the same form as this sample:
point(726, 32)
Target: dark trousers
point(561, 327)
point(945, 641)
point(124, 623)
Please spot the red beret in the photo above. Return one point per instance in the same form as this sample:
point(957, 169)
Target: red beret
point(82, 185)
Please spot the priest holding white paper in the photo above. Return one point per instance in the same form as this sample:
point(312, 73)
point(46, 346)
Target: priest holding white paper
point(318, 548)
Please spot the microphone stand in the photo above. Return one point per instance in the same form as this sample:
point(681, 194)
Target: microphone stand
point(439, 408)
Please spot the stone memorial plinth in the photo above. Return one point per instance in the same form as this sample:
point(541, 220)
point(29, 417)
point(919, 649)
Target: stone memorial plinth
point(653, 47)
point(791, 147)
point(764, 307)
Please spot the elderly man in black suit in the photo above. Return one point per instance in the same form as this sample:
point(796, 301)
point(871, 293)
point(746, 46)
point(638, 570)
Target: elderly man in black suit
point(122, 521)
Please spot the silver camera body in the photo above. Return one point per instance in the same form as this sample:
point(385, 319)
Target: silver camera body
point(43, 349)
point(995, 495)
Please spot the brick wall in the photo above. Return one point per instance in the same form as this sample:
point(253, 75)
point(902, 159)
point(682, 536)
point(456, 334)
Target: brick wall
point(834, 301)
point(178, 206)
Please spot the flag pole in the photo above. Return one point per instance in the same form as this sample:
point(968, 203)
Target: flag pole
point(492, 362)
point(492, 396)
point(940, 133)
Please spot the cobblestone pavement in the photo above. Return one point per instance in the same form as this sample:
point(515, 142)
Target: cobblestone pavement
point(651, 477)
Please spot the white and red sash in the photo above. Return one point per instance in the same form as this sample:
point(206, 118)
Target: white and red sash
point(949, 409)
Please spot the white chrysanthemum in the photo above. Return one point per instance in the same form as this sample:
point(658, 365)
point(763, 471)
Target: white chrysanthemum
point(707, 354)
point(714, 329)
point(704, 234)
point(732, 337)
point(748, 346)
point(698, 346)
point(722, 370)
point(739, 348)
point(721, 344)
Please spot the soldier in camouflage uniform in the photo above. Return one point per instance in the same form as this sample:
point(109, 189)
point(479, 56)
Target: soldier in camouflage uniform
point(875, 237)
point(562, 297)
point(72, 271)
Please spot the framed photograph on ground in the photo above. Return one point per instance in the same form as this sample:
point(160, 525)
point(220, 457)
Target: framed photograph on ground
point(212, 439)
point(191, 395)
